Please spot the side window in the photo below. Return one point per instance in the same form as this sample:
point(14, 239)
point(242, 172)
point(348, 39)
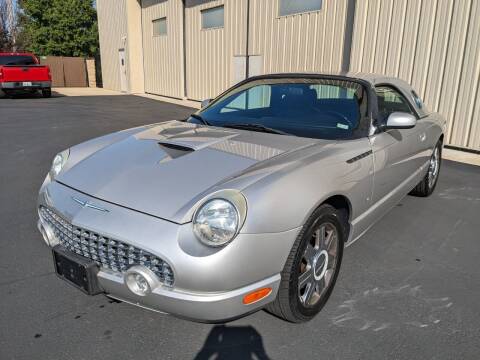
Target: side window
point(159, 26)
point(213, 17)
point(290, 7)
point(417, 100)
point(390, 101)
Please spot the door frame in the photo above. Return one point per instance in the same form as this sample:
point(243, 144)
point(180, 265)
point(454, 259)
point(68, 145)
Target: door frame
point(122, 59)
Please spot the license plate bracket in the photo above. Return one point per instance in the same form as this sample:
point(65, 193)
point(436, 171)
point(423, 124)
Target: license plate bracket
point(76, 270)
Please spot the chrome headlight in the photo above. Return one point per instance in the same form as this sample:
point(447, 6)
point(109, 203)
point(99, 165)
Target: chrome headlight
point(217, 221)
point(58, 163)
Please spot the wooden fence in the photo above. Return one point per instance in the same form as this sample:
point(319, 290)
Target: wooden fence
point(68, 71)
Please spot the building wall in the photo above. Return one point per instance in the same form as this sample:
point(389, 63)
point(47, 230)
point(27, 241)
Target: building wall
point(112, 26)
point(301, 42)
point(163, 55)
point(135, 70)
point(432, 44)
point(311, 41)
point(210, 52)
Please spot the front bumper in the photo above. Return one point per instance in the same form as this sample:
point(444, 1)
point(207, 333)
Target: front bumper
point(25, 85)
point(210, 284)
point(207, 307)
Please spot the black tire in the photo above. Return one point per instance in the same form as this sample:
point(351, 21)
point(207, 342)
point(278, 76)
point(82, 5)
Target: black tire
point(46, 93)
point(426, 187)
point(288, 305)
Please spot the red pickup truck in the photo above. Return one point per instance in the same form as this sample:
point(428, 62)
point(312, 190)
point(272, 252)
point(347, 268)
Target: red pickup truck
point(23, 72)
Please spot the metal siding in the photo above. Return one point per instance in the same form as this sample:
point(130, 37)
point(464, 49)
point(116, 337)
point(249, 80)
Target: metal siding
point(453, 64)
point(409, 45)
point(311, 41)
point(397, 31)
point(112, 26)
point(210, 52)
point(469, 81)
point(163, 64)
point(424, 47)
point(432, 44)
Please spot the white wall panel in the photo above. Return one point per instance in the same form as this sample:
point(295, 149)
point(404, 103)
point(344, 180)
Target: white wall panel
point(112, 26)
point(210, 52)
point(432, 44)
point(311, 41)
point(163, 54)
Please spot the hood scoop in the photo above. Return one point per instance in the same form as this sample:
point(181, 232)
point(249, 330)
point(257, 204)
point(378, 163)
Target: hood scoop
point(173, 150)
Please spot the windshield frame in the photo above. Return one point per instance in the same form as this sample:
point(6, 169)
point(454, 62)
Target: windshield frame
point(365, 121)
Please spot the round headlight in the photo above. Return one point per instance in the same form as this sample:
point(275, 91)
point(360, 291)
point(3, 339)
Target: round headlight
point(58, 162)
point(216, 222)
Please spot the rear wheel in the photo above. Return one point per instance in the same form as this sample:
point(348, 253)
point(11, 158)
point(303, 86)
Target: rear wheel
point(312, 267)
point(428, 183)
point(46, 93)
point(7, 94)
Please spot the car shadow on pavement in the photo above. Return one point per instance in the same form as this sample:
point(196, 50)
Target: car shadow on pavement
point(233, 342)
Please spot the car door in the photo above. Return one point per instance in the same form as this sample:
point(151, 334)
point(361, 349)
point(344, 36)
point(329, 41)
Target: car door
point(396, 152)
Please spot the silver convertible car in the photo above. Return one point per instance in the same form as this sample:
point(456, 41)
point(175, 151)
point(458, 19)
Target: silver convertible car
point(248, 203)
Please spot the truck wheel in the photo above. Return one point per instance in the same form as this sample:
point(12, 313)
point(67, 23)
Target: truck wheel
point(428, 183)
point(312, 267)
point(46, 93)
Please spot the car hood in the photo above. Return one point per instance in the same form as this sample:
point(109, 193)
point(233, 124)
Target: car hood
point(160, 169)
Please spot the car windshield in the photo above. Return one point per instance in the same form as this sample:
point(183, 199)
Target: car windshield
point(16, 60)
point(314, 108)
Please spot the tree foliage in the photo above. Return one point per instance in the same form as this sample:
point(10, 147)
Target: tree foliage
point(59, 27)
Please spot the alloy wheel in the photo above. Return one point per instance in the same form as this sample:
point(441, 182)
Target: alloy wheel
point(318, 264)
point(434, 167)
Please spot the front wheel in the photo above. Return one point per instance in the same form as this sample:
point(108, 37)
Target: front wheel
point(312, 267)
point(428, 183)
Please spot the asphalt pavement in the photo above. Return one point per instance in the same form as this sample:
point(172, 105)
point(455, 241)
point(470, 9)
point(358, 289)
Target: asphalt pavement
point(409, 289)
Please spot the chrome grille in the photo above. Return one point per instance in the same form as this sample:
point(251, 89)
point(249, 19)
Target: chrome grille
point(106, 252)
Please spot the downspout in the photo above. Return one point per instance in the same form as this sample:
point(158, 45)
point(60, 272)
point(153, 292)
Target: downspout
point(184, 38)
point(143, 45)
point(247, 58)
point(347, 40)
point(247, 61)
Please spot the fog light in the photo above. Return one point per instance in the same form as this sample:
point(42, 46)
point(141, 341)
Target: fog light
point(141, 280)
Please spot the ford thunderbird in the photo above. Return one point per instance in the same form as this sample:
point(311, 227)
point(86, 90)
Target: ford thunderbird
point(248, 204)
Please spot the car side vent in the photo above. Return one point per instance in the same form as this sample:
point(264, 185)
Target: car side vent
point(174, 150)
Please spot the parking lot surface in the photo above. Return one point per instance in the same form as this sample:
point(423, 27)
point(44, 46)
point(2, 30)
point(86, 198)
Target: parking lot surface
point(409, 289)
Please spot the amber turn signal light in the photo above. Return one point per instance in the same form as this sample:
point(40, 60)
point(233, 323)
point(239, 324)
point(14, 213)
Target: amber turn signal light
point(256, 295)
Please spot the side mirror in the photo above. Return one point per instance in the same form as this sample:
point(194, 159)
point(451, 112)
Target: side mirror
point(401, 120)
point(205, 103)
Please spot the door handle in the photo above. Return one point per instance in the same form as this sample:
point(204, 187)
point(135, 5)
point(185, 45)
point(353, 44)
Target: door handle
point(423, 136)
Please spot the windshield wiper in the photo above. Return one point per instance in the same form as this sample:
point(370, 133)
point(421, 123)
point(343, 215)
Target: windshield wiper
point(202, 120)
point(256, 127)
